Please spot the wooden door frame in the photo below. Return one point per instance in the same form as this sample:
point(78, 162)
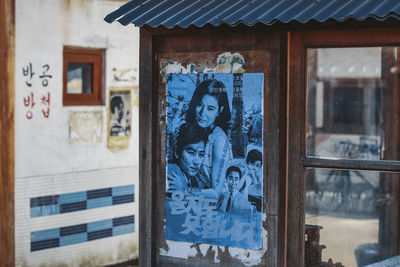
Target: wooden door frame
point(151, 41)
point(297, 162)
point(7, 84)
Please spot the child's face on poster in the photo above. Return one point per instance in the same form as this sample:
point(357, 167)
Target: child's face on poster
point(255, 166)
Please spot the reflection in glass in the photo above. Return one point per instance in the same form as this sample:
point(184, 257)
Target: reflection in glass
point(347, 106)
point(79, 80)
point(356, 212)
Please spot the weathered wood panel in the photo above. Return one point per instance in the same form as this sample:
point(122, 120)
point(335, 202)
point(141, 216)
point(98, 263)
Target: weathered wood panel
point(369, 165)
point(261, 52)
point(296, 148)
point(146, 150)
point(7, 55)
point(283, 112)
point(389, 213)
point(366, 36)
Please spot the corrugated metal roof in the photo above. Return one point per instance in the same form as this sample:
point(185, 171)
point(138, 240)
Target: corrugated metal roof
point(184, 13)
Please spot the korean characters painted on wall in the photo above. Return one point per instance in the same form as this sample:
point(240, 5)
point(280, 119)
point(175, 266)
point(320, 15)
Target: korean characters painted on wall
point(214, 159)
point(37, 81)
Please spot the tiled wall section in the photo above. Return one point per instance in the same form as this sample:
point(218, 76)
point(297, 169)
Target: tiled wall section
point(70, 202)
point(69, 235)
point(82, 218)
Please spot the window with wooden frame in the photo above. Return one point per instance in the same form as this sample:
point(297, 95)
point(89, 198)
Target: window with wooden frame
point(343, 147)
point(83, 76)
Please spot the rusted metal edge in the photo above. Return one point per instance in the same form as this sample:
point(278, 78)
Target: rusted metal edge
point(352, 164)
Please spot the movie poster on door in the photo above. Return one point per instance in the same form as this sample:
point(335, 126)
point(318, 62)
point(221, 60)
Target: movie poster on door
point(214, 153)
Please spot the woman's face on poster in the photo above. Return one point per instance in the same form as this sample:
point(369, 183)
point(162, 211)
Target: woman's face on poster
point(207, 111)
point(191, 158)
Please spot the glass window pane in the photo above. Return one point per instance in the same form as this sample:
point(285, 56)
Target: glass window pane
point(356, 210)
point(79, 80)
point(350, 95)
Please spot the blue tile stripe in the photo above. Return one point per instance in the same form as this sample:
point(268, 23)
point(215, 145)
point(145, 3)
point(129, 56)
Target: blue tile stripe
point(99, 234)
point(99, 202)
point(45, 235)
point(73, 197)
point(45, 210)
point(77, 201)
point(123, 220)
point(48, 243)
point(73, 239)
point(123, 199)
point(123, 190)
point(106, 192)
point(75, 229)
point(75, 234)
point(75, 206)
point(99, 225)
point(123, 229)
point(43, 201)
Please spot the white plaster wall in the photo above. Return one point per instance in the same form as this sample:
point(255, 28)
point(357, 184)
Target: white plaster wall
point(43, 27)
point(45, 162)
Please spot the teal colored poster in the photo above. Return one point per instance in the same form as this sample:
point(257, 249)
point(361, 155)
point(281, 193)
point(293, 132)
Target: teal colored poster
point(215, 159)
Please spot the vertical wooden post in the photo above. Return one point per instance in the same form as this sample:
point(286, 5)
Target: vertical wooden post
point(283, 146)
point(388, 214)
point(147, 98)
point(7, 37)
point(296, 148)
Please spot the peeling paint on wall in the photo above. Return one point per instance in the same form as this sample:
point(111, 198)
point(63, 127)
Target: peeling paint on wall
point(185, 250)
point(230, 63)
point(226, 63)
point(85, 127)
point(124, 75)
point(169, 66)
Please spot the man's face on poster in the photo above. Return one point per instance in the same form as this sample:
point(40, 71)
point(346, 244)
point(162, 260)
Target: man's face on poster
point(233, 181)
point(191, 158)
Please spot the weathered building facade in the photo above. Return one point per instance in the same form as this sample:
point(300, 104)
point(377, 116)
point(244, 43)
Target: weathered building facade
point(70, 164)
point(329, 129)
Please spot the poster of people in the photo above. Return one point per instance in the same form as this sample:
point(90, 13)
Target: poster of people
point(215, 159)
point(120, 113)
